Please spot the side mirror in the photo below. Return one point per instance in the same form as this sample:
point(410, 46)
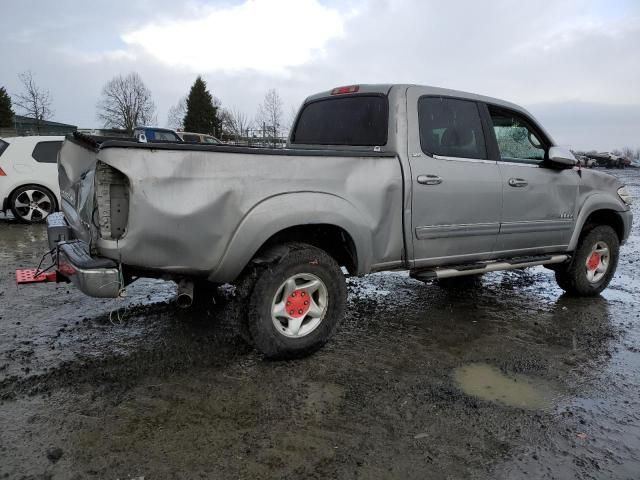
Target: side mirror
point(562, 157)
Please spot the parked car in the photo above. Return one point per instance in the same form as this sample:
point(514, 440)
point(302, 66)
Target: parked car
point(157, 133)
point(29, 176)
point(191, 137)
point(376, 177)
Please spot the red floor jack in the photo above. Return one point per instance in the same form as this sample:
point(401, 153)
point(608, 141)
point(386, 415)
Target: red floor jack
point(32, 275)
point(37, 275)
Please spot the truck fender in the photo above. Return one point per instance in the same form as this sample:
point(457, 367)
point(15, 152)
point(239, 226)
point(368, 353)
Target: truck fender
point(286, 210)
point(597, 201)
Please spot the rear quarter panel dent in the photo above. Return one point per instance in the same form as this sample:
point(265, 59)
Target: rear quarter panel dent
point(198, 212)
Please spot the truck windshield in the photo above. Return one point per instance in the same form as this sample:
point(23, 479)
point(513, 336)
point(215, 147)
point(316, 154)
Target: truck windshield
point(359, 120)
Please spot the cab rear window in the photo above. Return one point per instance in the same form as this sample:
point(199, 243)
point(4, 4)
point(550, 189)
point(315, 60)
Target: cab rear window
point(359, 120)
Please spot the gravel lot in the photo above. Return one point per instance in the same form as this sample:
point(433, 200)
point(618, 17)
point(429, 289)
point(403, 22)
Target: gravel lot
point(507, 378)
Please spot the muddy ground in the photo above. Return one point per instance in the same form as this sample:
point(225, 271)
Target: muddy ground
point(504, 379)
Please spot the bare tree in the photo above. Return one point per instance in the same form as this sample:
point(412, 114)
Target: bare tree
point(175, 117)
point(126, 103)
point(291, 118)
point(235, 123)
point(627, 153)
point(34, 102)
point(270, 113)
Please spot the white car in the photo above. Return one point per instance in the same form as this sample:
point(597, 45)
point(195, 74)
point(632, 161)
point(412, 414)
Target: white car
point(29, 176)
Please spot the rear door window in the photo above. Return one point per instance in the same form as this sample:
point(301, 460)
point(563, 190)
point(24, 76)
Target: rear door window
point(451, 128)
point(359, 120)
point(46, 152)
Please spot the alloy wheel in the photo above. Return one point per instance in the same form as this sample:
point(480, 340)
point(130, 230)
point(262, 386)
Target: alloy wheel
point(299, 305)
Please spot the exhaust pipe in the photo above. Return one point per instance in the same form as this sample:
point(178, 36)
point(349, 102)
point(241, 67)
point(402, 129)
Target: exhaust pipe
point(185, 293)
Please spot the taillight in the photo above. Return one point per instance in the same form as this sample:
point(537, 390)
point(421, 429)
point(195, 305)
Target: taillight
point(343, 90)
point(2, 174)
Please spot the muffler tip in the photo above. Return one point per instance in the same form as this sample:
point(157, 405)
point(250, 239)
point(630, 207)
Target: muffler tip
point(185, 294)
point(184, 301)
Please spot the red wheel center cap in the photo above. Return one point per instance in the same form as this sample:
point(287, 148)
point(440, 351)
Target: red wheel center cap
point(298, 303)
point(594, 261)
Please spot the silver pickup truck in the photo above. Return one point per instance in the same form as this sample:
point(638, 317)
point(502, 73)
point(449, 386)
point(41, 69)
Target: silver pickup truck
point(375, 177)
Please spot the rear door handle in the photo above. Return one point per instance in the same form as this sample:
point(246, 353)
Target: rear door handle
point(518, 182)
point(429, 179)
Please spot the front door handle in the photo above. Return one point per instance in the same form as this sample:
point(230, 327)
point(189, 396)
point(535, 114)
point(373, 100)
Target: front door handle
point(518, 182)
point(429, 179)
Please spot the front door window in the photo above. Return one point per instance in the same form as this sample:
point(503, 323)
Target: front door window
point(517, 141)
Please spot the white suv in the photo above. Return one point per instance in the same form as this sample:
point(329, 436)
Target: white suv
point(29, 176)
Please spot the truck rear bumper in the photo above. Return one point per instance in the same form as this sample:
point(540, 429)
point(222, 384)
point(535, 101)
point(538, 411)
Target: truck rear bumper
point(94, 276)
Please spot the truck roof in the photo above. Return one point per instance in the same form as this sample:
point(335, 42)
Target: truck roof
point(385, 88)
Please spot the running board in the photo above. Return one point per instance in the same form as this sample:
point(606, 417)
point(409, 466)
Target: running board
point(489, 266)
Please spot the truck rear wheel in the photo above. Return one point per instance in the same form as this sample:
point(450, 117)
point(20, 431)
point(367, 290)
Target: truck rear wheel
point(593, 264)
point(297, 300)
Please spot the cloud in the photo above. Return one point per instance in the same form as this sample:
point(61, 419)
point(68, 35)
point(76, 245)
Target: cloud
point(260, 35)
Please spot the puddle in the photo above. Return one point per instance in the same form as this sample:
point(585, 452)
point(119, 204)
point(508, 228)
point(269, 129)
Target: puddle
point(488, 383)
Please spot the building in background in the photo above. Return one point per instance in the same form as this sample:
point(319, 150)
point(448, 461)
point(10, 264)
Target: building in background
point(24, 126)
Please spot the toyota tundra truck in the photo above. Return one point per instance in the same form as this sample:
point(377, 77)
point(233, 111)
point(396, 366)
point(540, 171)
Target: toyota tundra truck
point(374, 178)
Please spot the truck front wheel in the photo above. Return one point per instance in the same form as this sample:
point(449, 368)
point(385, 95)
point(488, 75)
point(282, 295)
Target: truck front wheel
point(593, 264)
point(297, 300)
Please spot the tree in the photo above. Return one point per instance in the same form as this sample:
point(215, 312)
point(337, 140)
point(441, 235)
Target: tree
point(235, 123)
point(202, 110)
point(270, 113)
point(34, 101)
point(291, 119)
point(6, 112)
point(175, 117)
point(126, 103)
point(627, 152)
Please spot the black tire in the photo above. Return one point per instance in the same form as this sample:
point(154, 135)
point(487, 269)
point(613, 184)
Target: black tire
point(43, 196)
point(269, 272)
point(573, 279)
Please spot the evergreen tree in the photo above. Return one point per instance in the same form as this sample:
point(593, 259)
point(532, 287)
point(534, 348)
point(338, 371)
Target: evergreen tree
point(202, 114)
point(6, 112)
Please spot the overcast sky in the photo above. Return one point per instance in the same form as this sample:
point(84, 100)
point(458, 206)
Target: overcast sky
point(575, 64)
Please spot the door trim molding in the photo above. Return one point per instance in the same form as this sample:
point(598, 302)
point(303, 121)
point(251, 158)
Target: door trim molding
point(460, 230)
point(534, 226)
